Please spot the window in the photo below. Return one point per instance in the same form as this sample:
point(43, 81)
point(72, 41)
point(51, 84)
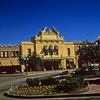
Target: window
point(68, 49)
point(51, 50)
point(13, 53)
point(56, 50)
point(56, 53)
point(29, 52)
point(6, 54)
point(45, 50)
point(2, 54)
point(46, 53)
point(17, 54)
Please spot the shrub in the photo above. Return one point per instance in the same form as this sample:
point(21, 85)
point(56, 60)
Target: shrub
point(71, 84)
point(43, 81)
point(49, 81)
point(97, 73)
point(33, 82)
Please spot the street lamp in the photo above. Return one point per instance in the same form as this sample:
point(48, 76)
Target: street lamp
point(26, 63)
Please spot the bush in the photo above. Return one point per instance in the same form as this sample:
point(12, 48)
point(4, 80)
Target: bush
point(86, 74)
point(97, 73)
point(44, 81)
point(49, 81)
point(33, 82)
point(92, 74)
point(71, 84)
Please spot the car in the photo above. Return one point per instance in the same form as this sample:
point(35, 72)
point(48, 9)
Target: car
point(86, 71)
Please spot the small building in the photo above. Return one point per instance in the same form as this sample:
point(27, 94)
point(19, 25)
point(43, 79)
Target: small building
point(9, 58)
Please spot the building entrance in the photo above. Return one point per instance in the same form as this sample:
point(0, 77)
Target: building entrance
point(52, 64)
point(70, 63)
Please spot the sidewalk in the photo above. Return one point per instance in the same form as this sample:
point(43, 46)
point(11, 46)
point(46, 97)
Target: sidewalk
point(33, 72)
point(94, 86)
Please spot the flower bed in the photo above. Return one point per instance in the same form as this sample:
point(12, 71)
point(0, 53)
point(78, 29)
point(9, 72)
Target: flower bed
point(51, 86)
point(35, 90)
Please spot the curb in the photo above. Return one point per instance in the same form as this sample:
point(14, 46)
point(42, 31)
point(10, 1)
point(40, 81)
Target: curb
point(29, 73)
point(33, 72)
point(8, 94)
point(51, 96)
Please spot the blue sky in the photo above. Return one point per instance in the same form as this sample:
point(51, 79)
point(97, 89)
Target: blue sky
point(76, 20)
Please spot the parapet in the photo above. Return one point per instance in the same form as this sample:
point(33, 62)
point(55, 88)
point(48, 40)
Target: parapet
point(9, 45)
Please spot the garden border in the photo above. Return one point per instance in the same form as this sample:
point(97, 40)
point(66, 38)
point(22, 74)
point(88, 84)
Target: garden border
point(8, 94)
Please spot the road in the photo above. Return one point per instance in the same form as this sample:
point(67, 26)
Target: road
point(7, 82)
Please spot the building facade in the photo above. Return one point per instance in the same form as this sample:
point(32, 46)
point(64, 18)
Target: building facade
point(53, 52)
point(50, 48)
point(9, 58)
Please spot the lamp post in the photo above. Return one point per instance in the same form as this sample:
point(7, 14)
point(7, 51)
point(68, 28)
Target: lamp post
point(26, 64)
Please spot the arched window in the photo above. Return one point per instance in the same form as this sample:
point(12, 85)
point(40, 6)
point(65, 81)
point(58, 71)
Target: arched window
point(68, 49)
point(29, 52)
point(45, 50)
point(51, 50)
point(56, 49)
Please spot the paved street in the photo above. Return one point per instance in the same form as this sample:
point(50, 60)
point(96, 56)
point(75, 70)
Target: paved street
point(7, 82)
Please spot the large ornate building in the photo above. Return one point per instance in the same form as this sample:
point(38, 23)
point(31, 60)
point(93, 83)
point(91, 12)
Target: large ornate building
point(53, 52)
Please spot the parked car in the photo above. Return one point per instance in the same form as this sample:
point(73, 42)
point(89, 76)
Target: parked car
point(86, 71)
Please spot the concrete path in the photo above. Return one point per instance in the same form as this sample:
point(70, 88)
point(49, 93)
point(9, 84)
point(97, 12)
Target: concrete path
point(94, 86)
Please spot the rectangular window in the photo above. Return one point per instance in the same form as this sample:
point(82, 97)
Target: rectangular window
point(13, 53)
point(29, 52)
point(17, 54)
point(2, 55)
point(68, 51)
point(6, 54)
